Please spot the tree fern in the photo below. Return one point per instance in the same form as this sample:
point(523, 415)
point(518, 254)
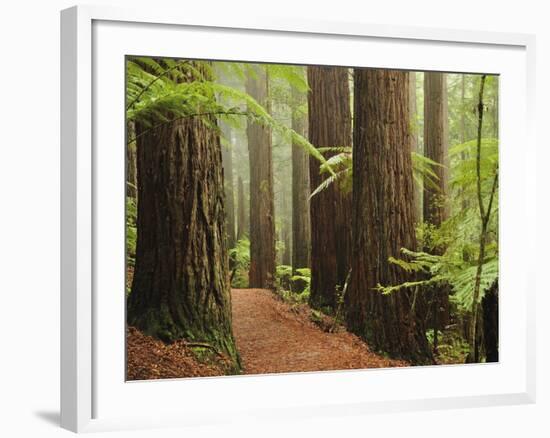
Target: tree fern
point(156, 97)
point(341, 167)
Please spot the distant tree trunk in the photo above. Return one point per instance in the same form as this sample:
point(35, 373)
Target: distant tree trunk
point(383, 217)
point(241, 219)
point(489, 305)
point(131, 162)
point(227, 160)
point(181, 280)
point(246, 198)
point(301, 232)
point(262, 216)
point(329, 125)
point(436, 145)
point(285, 230)
point(415, 144)
point(436, 211)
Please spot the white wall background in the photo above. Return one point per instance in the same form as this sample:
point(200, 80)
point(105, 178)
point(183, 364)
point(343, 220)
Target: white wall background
point(29, 217)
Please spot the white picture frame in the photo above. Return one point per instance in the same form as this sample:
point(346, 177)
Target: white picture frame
point(91, 393)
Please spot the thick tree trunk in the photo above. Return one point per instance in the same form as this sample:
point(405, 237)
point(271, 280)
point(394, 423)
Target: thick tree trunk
point(262, 216)
point(241, 217)
point(131, 162)
point(383, 217)
point(181, 281)
point(227, 160)
point(489, 305)
point(301, 233)
point(436, 210)
point(329, 125)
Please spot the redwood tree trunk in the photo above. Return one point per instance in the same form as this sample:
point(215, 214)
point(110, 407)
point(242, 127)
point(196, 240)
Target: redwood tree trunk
point(329, 118)
point(301, 234)
point(241, 218)
point(383, 216)
point(262, 216)
point(227, 160)
point(131, 162)
point(436, 211)
point(181, 281)
point(285, 229)
point(416, 146)
point(436, 145)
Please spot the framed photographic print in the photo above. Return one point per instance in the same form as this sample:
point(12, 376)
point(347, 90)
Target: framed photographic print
point(280, 217)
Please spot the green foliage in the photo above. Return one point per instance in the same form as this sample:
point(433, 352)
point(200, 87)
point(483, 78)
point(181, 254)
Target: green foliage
point(240, 263)
point(463, 90)
point(302, 278)
point(293, 298)
point(340, 166)
point(453, 348)
point(423, 171)
point(157, 95)
point(449, 268)
point(293, 75)
point(430, 334)
point(464, 178)
point(459, 235)
point(283, 275)
point(303, 275)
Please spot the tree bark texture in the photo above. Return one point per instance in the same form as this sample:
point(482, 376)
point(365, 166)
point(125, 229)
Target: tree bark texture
point(181, 281)
point(301, 232)
point(329, 118)
point(262, 216)
point(383, 217)
point(415, 144)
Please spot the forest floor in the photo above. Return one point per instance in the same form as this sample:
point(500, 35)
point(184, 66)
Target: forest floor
point(272, 336)
point(276, 337)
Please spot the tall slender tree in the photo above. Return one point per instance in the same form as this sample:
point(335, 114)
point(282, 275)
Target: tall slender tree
point(262, 216)
point(286, 232)
point(416, 146)
point(301, 232)
point(181, 281)
point(241, 219)
point(436, 210)
point(131, 162)
point(436, 146)
point(227, 161)
point(383, 216)
point(329, 118)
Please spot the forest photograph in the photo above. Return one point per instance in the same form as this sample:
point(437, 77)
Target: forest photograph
point(290, 218)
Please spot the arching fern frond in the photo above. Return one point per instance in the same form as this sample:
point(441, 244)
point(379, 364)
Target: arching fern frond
point(158, 97)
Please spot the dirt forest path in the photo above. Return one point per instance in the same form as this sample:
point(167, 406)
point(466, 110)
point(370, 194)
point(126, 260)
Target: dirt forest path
point(275, 337)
